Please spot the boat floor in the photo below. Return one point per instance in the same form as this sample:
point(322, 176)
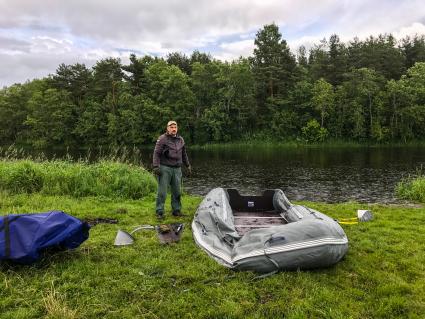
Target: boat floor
point(246, 221)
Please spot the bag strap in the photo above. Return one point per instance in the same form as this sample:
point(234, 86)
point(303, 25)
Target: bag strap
point(6, 227)
point(6, 237)
point(9, 219)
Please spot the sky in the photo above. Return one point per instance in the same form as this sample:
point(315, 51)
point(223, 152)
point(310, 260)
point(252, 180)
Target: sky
point(38, 35)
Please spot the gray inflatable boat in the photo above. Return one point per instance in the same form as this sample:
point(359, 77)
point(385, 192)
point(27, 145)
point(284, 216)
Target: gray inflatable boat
point(266, 233)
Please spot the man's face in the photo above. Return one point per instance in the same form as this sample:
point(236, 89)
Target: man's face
point(172, 129)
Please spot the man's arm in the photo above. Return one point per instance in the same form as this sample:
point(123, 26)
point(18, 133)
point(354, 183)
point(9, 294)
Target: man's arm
point(185, 158)
point(157, 152)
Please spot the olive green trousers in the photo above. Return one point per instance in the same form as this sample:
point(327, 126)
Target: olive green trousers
point(169, 176)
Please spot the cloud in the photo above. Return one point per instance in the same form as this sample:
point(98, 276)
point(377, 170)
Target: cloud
point(11, 45)
point(234, 50)
point(35, 37)
point(410, 31)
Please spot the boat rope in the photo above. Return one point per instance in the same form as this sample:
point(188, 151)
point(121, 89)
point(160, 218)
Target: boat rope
point(274, 262)
point(347, 221)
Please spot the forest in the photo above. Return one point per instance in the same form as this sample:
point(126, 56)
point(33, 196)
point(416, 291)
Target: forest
point(368, 91)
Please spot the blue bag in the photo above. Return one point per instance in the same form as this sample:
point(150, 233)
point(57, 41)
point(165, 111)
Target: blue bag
point(24, 236)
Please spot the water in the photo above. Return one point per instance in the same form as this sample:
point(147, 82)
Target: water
point(328, 175)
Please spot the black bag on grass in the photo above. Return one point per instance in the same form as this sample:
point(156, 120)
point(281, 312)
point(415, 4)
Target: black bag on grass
point(24, 236)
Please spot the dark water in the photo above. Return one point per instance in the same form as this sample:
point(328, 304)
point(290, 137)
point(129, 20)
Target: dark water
point(313, 174)
point(330, 175)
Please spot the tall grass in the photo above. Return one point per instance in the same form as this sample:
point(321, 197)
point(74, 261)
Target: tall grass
point(412, 187)
point(78, 179)
point(122, 154)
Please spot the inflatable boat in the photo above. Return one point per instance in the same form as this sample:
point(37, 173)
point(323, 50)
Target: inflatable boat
point(266, 233)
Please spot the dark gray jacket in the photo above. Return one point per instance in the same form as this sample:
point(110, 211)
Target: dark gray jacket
point(170, 151)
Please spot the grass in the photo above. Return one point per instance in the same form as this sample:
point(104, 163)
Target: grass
point(412, 188)
point(61, 177)
point(382, 276)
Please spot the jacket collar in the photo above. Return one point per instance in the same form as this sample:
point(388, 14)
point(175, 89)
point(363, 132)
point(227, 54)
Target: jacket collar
point(169, 135)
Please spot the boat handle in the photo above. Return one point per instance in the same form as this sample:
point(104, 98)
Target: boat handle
point(275, 239)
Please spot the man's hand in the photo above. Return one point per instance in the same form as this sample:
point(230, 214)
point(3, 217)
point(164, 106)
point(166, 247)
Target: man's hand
point(189, 170)
point(156, 171)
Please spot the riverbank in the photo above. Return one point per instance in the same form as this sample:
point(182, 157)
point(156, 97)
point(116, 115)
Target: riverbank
point(382, 275)
point(129, 153)
point(299, 143)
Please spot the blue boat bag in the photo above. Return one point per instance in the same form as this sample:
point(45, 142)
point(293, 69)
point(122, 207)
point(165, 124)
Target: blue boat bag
point(24, 236)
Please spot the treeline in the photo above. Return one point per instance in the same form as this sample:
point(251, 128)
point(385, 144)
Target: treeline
point(370, 90)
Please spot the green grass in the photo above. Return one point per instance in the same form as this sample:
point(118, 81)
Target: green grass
point(61, 177)
point(412, 188)
point(382, 276)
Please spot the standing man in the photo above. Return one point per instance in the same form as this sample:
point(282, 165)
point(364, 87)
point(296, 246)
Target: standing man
point(168, 157)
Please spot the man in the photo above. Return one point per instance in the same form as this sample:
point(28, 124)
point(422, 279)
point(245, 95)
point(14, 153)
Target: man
point(168, 157)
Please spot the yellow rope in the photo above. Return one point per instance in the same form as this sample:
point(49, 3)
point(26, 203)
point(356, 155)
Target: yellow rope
point(348, 223)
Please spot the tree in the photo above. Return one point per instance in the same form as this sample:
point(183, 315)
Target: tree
point(181, 61)
point(379, 54)
point(134, 73)
point(362, 92)
point(237, 95)
point(337, 61)
point(169, 88)
point(397, 96)
point(13, 113)
point(51, 118)
point(302, 56)
point(313, 132)
point(92, 125)
point(273, 66)
point(107, 74)
point(323, 98)
point(298, 109)
point(318, 61)
point(412, 113)
point(76, 79)
point(328, 60)
point(273, 63)
point(203, 58)
point(413, 50)
point(204, 85)
point(141, 120)
point(216, 123)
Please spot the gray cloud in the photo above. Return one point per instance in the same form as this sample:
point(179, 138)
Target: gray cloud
point(35, 36)
point(13, 45)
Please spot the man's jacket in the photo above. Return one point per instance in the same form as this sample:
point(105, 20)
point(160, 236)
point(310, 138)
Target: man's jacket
point(170, 151)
